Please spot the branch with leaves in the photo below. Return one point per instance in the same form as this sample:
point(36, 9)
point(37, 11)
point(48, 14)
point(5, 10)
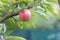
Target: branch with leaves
point(40, 10)
point(13, 14)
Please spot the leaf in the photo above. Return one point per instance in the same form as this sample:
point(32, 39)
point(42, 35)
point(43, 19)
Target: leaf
point(20, 25)
point(10, 11)
point(42, 8)
point(14, 38)
point(50, 8)
point(23, 6)
point(26, 25)
point(42, 14)
point(2, 28)
point(12, 22)
point(45, 17)
point(9, 30)
point(0, 14)
point(33, 24)
point(52, 0)
point(22, 0)
point(30, 1)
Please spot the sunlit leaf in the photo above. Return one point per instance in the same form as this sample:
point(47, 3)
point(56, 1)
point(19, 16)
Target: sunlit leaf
point(14, 38)
point(50, 8)
point(20, 25)
point(32, 24)
point(42, 14)
point(12, 22)
point(9, 31)
point(26, 25)
point(52, 0)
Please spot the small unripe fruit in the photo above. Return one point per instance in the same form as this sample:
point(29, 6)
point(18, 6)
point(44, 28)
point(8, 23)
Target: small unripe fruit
point(24, 15)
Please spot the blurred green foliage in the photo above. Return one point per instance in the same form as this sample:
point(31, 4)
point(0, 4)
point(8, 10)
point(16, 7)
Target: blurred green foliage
point(39, 13)
point(14, 38)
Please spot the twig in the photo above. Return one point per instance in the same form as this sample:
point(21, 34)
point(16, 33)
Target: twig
point(13, 14)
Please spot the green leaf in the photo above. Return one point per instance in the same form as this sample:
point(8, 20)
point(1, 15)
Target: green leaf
point(45, 17)
point(33, 24)
point(14, 38)
point(20, 25)
point(52, 0)
point(26, 24)
point(23, 6)
point(9, 30)
point(0, 14)
point(42, 15)
point(50, 8)
point(2, 28)
point(42, 8)
point(12, 22)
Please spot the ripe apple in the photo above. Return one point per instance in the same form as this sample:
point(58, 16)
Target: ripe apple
point(24, 15)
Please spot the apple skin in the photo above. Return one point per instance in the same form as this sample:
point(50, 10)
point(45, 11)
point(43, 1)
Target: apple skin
point(24, 15)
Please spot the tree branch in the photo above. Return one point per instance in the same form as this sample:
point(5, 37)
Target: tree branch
point(13, 14)
point(7, 16)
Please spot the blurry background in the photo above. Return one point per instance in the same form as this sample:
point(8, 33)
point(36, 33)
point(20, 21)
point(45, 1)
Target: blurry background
point(46, 30)
point(44, 23)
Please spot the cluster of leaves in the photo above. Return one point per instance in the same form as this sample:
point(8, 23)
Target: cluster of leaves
point(39, 11)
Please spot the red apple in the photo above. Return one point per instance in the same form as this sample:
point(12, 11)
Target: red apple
point(24, 15)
